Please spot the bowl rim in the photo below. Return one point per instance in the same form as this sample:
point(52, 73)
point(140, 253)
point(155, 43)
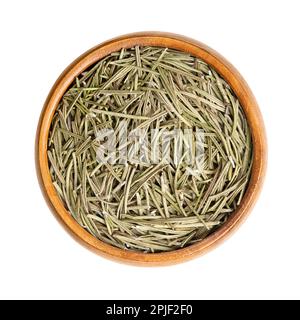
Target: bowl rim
point(248, 103)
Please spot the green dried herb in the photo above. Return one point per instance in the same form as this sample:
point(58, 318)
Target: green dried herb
point(138, 204)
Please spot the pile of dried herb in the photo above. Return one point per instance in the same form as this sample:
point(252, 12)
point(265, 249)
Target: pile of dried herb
point(140, 205)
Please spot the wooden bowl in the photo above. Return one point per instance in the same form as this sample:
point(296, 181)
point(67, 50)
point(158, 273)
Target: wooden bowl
point(242, 91)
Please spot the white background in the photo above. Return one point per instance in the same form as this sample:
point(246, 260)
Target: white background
point(38, 40)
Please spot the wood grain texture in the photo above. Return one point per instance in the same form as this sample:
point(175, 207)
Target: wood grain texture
point(248, 103)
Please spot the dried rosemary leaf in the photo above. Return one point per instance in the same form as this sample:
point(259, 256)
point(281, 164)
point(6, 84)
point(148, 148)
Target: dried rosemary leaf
point(139, 200)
